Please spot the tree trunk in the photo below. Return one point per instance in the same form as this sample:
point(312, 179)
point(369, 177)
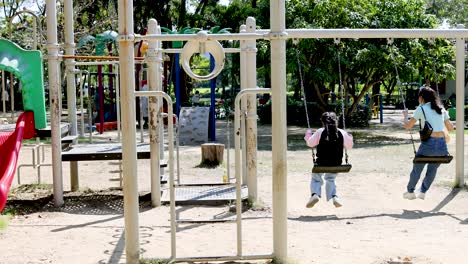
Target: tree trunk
point(212, 154)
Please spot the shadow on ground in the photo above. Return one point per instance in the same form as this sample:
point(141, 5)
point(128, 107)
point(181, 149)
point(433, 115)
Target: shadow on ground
point(32, 198)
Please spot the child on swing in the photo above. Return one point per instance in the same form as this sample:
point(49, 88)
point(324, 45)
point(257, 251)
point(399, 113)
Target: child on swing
point(330, 141)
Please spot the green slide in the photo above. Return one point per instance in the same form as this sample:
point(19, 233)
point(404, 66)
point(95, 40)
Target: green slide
point(26, 65)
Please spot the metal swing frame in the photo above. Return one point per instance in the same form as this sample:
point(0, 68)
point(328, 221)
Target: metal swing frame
point(343, 168)
point(418, 158)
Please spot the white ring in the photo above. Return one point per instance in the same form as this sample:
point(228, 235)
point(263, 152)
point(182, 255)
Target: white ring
point(211, 46)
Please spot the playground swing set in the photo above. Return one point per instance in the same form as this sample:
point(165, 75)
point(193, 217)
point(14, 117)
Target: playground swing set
point(418, 158)
point(277, 35)
point(318, 168)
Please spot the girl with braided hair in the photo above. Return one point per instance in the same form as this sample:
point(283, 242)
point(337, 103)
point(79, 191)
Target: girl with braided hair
point(330, 141)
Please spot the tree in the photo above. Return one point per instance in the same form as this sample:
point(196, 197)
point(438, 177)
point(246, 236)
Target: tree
point(451, 11)
point(368, 62)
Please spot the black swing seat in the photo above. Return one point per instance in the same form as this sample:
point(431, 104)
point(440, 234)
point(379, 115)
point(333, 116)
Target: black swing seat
point(433, 159)
point(331, 169)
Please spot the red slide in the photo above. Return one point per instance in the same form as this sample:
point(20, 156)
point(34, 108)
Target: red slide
point(10, 145)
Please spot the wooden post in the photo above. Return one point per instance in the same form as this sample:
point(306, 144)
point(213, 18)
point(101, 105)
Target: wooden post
point(212, 154)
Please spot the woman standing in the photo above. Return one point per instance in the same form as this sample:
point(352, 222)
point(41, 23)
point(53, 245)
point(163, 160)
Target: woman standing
point(430, 110)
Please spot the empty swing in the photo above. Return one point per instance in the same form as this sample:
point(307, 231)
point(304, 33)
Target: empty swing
point(418, 158)
point(343, 168)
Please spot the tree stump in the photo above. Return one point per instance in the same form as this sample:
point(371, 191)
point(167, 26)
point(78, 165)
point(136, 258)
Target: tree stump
point(212, 154)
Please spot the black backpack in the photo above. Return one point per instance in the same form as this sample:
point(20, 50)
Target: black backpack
point(330, 152)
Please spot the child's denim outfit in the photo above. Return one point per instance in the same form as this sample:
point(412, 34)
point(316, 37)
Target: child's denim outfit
point(434, 146)
point(317, 180)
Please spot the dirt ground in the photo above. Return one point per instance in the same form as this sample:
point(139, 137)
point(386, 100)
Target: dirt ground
point(374, 225)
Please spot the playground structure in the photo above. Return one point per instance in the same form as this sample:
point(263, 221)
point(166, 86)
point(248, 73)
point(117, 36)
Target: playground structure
point(27, 67)
point(277, 35)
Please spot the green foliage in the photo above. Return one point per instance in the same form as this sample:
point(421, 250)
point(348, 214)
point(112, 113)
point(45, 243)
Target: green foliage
point(365, 61)
point(452, 11)
point(4, 221)
point(296, 114)
point(359, 118)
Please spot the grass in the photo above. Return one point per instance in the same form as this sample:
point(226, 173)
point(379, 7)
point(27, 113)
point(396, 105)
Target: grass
point(258, 205)
point(33, 141)
point(4, 221)
point(32, 188)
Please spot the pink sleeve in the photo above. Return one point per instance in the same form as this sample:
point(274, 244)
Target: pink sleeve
point(315, 138)
point(347, 139)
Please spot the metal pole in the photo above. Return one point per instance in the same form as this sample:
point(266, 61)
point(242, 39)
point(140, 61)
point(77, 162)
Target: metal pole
point(213, 102)
point(460, 100)
point(100, 92)
point(71, 88)
point(12, 98)
point(251, 128)
point(228, 147)
point(237, 170)
point(82, 81)
point(184, 37)
point(154, 60)
point(3, 93)
point(237, 158)
point(70, 67)
point(117, 101)
point(129, 155)
point(243, 137)
point(140, 121)
point(279, 129)
point(161, 138)
point(177, 148)
point(54, 94)
point(381, 108)
point(90, 109)
point(93, 63)
point(243, 103)
point(300, 33)
point(177, 84)
point(375, 33)
point(170, 133)
point(35, 32)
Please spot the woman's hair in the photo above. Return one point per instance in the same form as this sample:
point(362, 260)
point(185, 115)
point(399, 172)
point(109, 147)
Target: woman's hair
point(430, 96)
point(329, 122)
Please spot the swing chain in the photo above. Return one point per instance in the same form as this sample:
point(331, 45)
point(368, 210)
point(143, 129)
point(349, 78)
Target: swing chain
point(343, 97)
point(337, 42)
point(399, 87)
point(302, 86)
point(303, 92)
point(434, 60)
